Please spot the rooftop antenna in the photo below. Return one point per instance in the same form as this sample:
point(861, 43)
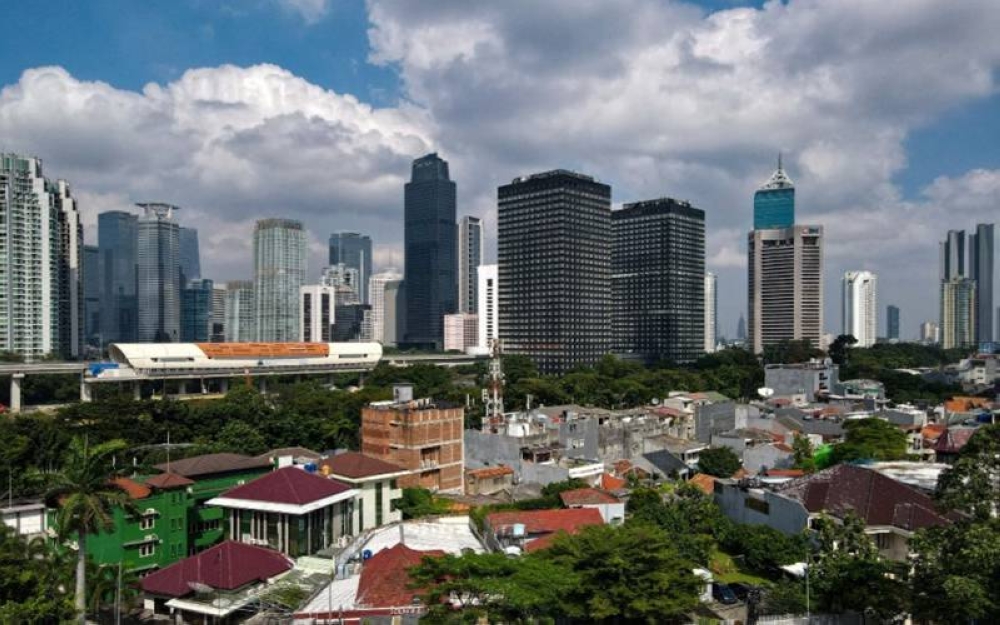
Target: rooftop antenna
point(493, 397)
point(779, 160)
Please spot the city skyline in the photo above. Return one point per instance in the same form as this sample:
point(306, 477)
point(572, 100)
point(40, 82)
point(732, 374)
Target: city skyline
point(879, 173)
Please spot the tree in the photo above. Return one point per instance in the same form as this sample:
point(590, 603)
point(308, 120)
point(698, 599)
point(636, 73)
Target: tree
point(839, 347)
point(633, 573)
point(688, 515)
point(972, 484)
point(31, 586)
point(802, 453)
point(420, 502)
point(764, 548)
point(719, 461)
point(870, 439)
point(85, 498)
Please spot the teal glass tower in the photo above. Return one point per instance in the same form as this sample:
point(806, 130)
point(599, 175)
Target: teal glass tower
point(774, 203)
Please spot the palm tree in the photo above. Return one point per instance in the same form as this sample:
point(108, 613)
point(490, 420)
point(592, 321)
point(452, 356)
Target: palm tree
point(86, 498)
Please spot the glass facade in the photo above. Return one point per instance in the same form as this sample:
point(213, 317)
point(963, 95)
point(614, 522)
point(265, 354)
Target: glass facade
point(158, 275)
point(892, 322)
point(196, 311)
point(240, 312)
point(470, 256)
point(117, 240)
point(355, 251)
point(279, 251)
point(430, 251)
point(774, 208)
point(190, 257)
point(92, 295)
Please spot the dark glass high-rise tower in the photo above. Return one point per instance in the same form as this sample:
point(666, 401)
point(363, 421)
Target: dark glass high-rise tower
point(158, 275)
point(429, 249)
point(190, 257)
point(354, 250)
point(981, 269)
point(554, 253)
point(892, 322)
point(117, 240)
point(774, 203)
point(658, 281)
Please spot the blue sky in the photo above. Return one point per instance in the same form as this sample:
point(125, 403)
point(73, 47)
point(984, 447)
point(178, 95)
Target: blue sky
point(888, 117)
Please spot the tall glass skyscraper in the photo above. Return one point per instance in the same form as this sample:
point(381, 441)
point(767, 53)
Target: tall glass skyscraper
point(240, 312)
point(158, 274)
point(981, 266)
point(658, 281)
point(470, 256)
point(859, 305)
point(190, 256)
point(774, 202)
point(117, 238)
point(429, 251)
point(279, 257)
point(355, 251)
point(197, 300)
point(554, 256)
point(892, 322)
point(92, 295)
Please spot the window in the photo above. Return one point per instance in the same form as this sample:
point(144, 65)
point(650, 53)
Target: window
point(378, 503)
point(757, 504)
point(883, 541)
point(147, 522)
point(147, 550)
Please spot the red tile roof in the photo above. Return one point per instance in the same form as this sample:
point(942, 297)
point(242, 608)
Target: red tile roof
point(226, 566)
point(134, 489)
point(490, 472)
point(165, 481)
point(290, 485)
point(356, 465)
point(953, 440)
point(875, 498)
point(610, 482)
point(933, 431)
point(209, 464)
point(785, 472)
point(704, 482)
point(585, 497)
point(547, 521)
point(385, 582)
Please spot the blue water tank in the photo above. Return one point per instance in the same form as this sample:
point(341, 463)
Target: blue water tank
point(310, 467)
point(366, 554)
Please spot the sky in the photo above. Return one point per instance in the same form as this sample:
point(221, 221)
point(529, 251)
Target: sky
point(887, 114)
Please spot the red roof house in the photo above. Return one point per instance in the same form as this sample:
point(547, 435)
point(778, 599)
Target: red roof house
point(523, 527)
point(354, 465)
point(371, 476)
point(385, 582)
point(580, 497)
point(226, 566)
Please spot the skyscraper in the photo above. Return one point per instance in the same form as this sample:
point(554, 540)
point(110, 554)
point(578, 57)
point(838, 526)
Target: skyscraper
point(190, 255)
point(279, 257)
point(92, 295)
point(197, 299)
point(70, 270)
point(343, 275)
point(470, 256)
point(117, 239)
point(377, 290)
point(429, 251)
point(981, 270)
point(489, 304)
point(741, 329)
point(858, 306)
point(30, 245)
point(554, 252)
point(930, 332)
point(317, 307)
point(953, 255)
point(658, 281)
point(394, 320)
point(784, 270)
point(241, 313)
point(892, 322)
point(158, 274)
point(354, 250)
point(218, 333)
point(958, 313)
point(711, 307)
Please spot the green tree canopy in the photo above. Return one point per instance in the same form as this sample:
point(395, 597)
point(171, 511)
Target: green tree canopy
point(870, 439)
point(719, 461)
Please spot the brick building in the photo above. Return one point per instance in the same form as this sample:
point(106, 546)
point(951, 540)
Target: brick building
point(421, 436)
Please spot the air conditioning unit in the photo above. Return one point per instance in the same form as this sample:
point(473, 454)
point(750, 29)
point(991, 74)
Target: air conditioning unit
point(149, 512)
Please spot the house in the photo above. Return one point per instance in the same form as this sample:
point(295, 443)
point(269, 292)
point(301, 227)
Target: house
point(611, 508)
point(286, 456)
point(489, 480)
point(811, 380)
point(673, 456)
point(290, 510)
point(951, 442)
point(531, 530)
point(26, 518)
point(703, 482)
point(215, 584)
point(376, 481)
point(891, 511)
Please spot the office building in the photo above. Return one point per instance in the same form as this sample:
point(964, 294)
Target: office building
point(341, 275)
point(197, 298)
point(892, 322)
point(981, 270)
point(355, 251)
point(218, 333)
point(930, 332)
point(70, 268)
point(158, 274)
point(711, 314)
point(318, 314)
point(470, 256)
point(953, 256)
point(429, 252)
point(241, 313)
point(460, 331)
point(784, 270)
point(422, 436)
point(958, 313)
point(774, 202)
point(394, 321)
point(117, 239)
point(353, 322)
point(858, 306)
point(489, 305)
point(377, 291)
point(741, 329)
point(190, 256)
point(554, 257)
point(30, 246)
point(279, 257)
point(92, 295)
point(658, 281)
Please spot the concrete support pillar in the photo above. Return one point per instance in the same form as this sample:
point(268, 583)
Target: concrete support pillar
point(182, 387)
point(15, 392)
point(262, 382)
point(136, 391)
point(201, 384)
point(86, 393)
point(224, 386)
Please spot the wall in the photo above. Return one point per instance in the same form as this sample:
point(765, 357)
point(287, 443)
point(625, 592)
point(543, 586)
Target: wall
point(783, 514)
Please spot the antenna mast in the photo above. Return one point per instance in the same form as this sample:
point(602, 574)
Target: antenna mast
point(493, 396)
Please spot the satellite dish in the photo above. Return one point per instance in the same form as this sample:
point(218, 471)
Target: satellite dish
point(655, 401)
point(765, 392)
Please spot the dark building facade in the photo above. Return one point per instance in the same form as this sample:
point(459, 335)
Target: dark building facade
point(892, 322)
point(554, 256)
point(117, 240)
point(354, 250)
point(197, 305)
point(658, 281)
point(190, 255)
point(981, 266)
point(430, 252)
point(92, 295)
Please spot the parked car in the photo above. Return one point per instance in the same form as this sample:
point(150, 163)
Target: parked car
point(724, 594)
point(741, 590)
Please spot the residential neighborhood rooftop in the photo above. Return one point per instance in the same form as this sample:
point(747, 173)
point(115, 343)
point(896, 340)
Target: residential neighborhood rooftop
point(586, 497)
point(290, 485)
point(356, 465)
point(227, 566)
point(209, 464)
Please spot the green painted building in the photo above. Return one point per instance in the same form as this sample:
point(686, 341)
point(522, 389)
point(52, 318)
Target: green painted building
point(173, 520)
